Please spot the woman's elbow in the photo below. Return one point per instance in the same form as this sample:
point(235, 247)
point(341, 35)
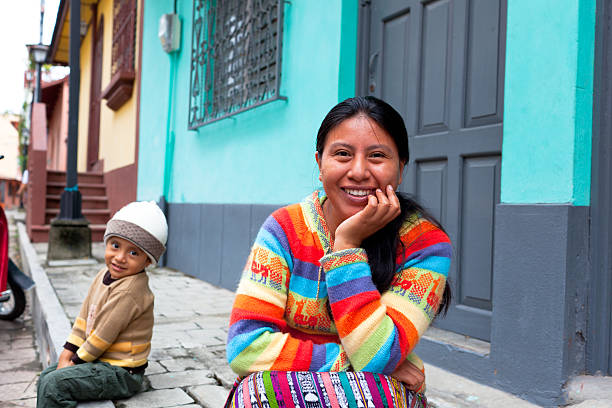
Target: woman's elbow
point(239, 366)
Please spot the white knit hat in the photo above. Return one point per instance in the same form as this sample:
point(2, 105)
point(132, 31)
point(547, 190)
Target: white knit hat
point(144, 224)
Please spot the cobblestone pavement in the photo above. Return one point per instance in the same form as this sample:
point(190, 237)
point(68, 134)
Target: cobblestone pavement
point(19, 363)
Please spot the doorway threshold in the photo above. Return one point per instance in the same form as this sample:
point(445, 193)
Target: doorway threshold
point(458, 341)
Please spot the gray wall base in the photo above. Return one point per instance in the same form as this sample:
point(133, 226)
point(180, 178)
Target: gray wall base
point(539, 309)
point(212, 241)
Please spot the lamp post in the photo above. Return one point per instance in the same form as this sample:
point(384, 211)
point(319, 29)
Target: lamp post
point(70, 235)
point(38, 54)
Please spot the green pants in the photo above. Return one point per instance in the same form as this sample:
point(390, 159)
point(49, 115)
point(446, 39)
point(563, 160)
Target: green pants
point(84, 382)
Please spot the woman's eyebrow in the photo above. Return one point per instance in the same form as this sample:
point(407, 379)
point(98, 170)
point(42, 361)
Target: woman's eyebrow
point(341, 144)
point(379, 146)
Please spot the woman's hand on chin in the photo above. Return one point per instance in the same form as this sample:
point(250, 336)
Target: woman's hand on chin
point(381, 209)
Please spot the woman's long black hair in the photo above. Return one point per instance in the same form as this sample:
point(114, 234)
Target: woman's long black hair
point(382, 247)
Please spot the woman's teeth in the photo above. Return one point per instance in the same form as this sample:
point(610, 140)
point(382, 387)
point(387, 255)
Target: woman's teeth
point(358, 193)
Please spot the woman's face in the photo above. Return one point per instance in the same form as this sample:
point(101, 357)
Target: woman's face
point(358, 157)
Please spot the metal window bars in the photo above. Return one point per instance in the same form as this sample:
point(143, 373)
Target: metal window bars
point(124, 36)
point(235, 57)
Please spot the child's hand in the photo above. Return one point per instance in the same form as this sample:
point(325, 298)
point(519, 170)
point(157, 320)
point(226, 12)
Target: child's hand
point(65, 359)
point(64, 364)
point(380, 210)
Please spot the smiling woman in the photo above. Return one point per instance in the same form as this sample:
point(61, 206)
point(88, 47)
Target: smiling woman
point(338, 289)
point(360, 161)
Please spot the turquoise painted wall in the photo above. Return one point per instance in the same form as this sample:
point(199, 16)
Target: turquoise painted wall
point(548, 100)
point(264, 155)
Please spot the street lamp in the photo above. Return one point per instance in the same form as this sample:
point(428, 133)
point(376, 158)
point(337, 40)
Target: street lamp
point(38, 54)
point(69, 234)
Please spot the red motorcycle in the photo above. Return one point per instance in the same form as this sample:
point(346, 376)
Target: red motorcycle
point(13, 282)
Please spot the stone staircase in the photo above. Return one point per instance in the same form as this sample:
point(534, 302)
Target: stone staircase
point(94, 203)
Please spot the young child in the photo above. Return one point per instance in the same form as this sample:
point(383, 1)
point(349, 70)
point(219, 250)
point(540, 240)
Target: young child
point(106, 353)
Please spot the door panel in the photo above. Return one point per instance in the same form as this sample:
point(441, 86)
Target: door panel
point(483, 48)
point(393, 57)
point(431, 186)
point(480, 194)
point(440, 64)
point(435, 48)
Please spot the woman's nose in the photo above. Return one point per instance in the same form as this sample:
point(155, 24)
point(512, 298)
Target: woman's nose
point(359, 169)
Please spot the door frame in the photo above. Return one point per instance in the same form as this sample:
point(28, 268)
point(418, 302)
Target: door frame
point(363, 46)
point(93, 127)
point(599, 338)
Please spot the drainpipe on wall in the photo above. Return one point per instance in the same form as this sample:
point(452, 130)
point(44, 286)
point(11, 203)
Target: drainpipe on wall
point(169, 36)
point(169, 155)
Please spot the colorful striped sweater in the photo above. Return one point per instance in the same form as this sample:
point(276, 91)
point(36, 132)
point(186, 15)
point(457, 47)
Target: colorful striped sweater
point(280, 318)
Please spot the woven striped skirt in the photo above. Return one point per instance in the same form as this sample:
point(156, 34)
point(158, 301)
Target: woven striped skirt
point(282, 389)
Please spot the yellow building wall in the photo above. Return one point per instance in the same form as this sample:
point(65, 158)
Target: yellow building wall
point(117, 128)
point(117, 144)
point(84, 92)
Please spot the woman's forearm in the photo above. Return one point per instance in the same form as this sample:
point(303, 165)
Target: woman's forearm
point(377, 331)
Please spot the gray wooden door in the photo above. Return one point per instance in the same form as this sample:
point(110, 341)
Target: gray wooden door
point(441, 64)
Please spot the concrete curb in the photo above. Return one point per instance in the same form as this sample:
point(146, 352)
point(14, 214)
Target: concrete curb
point(50, 321)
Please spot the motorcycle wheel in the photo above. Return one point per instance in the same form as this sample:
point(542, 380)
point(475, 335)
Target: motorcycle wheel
point(14, 307)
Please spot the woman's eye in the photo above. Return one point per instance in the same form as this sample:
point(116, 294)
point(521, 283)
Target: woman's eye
point(342, 153)
point(378, 155)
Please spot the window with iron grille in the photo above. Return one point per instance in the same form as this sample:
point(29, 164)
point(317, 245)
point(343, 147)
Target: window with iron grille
point(119, 91)
point(235, 57)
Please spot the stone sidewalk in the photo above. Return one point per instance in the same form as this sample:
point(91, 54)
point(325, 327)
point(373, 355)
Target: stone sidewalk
point(187, 365)
point(19, 362)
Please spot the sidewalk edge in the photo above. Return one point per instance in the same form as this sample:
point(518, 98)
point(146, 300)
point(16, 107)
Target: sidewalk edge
point(50, 321)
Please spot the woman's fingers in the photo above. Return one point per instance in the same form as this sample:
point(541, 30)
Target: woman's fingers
point(388, 204)
point(371, 208)
point(410, 375)
point(393, 197)
point(382, 198)
point(382, 207)
point(416, 378)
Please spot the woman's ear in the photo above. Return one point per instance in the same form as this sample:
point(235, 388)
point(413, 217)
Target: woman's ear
point(318, 159)
point(402, 167)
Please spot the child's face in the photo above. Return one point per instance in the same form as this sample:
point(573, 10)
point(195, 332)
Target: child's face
point(124, 258)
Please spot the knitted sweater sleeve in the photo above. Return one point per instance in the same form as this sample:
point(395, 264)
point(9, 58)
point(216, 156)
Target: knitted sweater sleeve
point(259, 337)
point(378, 332)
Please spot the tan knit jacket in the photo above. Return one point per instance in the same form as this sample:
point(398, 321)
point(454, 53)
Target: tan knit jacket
point(115, 324)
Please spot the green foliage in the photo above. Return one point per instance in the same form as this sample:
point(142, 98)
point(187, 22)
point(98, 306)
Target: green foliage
point(23, 142)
